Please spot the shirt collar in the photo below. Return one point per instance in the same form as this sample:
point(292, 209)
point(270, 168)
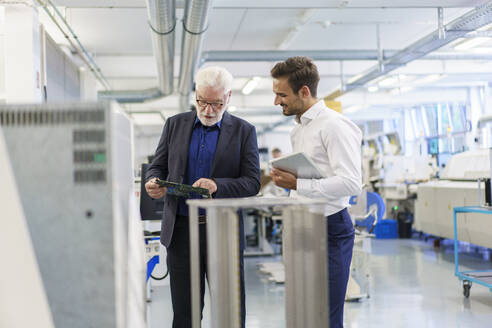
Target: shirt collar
point(197, 121)
point(311, 113)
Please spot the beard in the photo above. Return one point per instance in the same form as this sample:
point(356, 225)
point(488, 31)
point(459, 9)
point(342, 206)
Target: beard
point(210, 119)
point(294, 108)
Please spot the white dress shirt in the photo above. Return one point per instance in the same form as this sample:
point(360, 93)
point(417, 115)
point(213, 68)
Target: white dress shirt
point(333, 142)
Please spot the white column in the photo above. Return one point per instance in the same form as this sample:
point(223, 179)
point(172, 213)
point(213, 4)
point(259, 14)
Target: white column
point(88, 85)
point(477, 101)
point(21, 54)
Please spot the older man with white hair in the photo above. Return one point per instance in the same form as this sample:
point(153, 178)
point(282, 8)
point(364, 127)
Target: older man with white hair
point(211, 149)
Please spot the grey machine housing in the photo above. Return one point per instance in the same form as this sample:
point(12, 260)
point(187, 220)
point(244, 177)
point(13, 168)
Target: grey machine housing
point(74, 172)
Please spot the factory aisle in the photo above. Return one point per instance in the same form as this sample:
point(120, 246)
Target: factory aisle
point(412, 285)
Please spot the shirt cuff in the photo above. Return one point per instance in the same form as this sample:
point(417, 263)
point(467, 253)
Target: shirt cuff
point(303, 187)
point(149, 178)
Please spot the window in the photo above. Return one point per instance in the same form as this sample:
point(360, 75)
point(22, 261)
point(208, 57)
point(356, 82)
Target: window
point(430, 112)
point(458, 117)
point(418, 125)
point(443, 119)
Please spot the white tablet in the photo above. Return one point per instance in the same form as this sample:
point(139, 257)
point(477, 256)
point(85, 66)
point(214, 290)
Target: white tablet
point(299, 164)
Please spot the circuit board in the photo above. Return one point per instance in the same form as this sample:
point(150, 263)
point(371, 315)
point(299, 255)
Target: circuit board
point(182, 190)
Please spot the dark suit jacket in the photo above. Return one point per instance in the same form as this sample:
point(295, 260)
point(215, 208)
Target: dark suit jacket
point(235, 168)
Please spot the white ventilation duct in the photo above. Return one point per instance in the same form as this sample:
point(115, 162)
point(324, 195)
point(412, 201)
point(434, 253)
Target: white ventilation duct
point(195, 23)
point(162, 23)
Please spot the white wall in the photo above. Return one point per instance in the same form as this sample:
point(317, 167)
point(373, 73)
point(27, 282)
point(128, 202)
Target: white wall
point(21, 52)
point(145, 141)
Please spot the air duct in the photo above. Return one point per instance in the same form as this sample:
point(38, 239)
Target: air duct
point(130, 96)
point(324, 55)
point(195, 23)
point(162, 23)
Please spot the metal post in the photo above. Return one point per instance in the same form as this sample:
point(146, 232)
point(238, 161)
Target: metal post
point(342, 82)
point(306, 269)
point(380, 49)
point(223, 267)
point(440, 23)
point(195, 266)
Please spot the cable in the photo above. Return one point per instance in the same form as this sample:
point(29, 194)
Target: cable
point(160, 278)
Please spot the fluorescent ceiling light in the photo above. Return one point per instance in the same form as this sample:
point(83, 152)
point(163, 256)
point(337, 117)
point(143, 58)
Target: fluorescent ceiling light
point(353, 109)
point(485, 28)
point(262, 119)
point(482, 50)
point(251, 85)
point(305, 16)
point(429, 79)
point(389, 81)
point(372, 88)
point(471, 43)
point(325, 23)
point(454, 43)
point(397, 91)
point(291, 35)
point(147, 118)
point(355, 78)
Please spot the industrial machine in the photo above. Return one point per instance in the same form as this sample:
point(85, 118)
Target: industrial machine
point(73, 169)
point(394, 175)
point(458, 187)
point(20, 283)
point(402, 175)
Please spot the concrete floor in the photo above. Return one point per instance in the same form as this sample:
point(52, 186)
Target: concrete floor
point(412, 284)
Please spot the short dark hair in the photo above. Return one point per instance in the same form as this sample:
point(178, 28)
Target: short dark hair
point(276, 150)
point(300, 71)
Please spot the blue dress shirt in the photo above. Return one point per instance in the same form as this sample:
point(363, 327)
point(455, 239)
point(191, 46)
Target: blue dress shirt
point(201, 154)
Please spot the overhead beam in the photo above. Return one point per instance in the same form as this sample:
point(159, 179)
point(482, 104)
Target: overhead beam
point(326, 55)
point(459, 27)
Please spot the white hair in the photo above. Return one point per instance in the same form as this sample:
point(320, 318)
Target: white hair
point(214, 77)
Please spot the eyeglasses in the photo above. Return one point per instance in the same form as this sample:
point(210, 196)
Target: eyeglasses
point(204, 104)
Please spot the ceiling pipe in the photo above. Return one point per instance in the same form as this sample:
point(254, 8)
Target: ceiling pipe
point(72, 39)
point(162, 24)
point(326, 55)
point(195, 24)
point(130, 96)
point(480, 16)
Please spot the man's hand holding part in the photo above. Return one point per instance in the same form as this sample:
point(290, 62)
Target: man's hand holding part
point(154, 190)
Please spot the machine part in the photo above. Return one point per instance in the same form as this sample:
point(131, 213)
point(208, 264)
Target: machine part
point(182, 190)
point(21, 285)
point(305, 258)
point(76, 188)
point(466, 288)
point(160, 278)
point(306, 269)
point(223, 254)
